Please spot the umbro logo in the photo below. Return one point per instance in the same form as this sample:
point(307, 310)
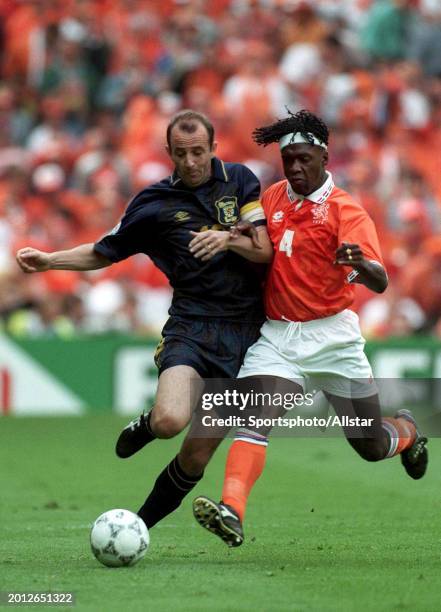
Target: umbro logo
point(278, 216)
point(182, 215)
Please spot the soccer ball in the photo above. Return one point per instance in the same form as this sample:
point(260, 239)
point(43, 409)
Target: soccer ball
point(118, 538)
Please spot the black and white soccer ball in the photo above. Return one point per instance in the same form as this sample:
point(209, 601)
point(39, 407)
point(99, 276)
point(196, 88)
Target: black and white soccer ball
point(119, 538)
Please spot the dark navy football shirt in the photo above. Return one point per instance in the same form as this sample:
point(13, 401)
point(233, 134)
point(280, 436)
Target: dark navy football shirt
point(158, 222)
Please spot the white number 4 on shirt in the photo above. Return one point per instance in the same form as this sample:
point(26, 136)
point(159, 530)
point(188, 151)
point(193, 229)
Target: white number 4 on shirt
point(285, 245)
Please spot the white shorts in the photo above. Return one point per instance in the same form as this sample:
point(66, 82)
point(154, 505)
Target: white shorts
point(324, 354)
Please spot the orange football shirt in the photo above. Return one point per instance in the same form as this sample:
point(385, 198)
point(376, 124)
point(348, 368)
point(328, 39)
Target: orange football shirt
point(303, 282)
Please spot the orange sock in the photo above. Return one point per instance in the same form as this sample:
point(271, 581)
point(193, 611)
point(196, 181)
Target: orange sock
point(245, 463)
point(401, 433)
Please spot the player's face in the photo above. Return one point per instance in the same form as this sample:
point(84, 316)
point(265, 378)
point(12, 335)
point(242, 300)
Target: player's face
point(191, 154)
point(304, 167)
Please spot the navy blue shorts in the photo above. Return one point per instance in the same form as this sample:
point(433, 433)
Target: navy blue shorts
point(214, 348)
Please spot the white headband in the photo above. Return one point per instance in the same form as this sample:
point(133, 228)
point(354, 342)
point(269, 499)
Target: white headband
point(298, 138)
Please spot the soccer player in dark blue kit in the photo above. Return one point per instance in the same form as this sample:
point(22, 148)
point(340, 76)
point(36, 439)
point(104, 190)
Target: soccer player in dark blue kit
point(182, 223)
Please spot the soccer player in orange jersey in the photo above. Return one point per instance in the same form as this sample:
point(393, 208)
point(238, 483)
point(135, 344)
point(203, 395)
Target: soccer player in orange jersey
point(324, 242)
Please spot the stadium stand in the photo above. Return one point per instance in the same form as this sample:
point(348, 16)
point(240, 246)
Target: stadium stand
point(88, 86)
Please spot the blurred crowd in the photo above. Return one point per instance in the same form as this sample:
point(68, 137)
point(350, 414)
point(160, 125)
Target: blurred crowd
point(87, 88)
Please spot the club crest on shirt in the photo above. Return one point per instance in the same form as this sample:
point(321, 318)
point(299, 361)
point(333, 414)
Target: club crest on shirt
point(320, 213)
point(227, 210)
point(278, 216)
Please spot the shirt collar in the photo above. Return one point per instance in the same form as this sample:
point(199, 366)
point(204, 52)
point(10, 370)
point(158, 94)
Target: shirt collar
point(319, 196)
point(218, 172)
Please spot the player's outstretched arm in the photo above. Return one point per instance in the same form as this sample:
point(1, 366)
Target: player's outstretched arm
point(80, 258)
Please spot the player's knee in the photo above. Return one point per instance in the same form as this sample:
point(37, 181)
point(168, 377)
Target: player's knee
point(371, 450)
point(166, 425)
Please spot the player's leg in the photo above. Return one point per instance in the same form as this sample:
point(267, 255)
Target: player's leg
point(247, 455)
point(183, 473)
point(386, 436)
point(195, 453)
point(178, 358)
point(180, 476)
point(172, 411)
point(267, 370)
point(216, 350)
point(348, 374)
point(170, 414)
point(244, 465)
point(264, 363)
point(371, 441)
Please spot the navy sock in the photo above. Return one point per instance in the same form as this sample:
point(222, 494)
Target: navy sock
point(170, 488)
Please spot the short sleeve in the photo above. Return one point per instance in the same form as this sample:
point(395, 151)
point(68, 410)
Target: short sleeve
point(358, 228)
point(250, 207)
point(133, 234)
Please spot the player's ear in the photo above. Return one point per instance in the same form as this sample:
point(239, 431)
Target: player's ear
point(167, 148)
point(214, 147)
point(325, 158)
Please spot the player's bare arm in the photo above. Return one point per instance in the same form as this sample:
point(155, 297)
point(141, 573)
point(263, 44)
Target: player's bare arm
point(247, 229)
point(256, 248)
point(205, 245)
point(370, 273)
point(80, 258)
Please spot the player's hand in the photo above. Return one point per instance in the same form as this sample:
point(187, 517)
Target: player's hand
point(247, 229)
point(205, 245)
point(32, 260)
point(349, 255)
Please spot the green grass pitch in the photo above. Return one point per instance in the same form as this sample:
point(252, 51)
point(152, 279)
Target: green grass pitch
point(324, 530)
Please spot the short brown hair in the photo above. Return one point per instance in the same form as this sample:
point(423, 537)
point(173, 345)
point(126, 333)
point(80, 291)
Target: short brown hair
point(187, 120)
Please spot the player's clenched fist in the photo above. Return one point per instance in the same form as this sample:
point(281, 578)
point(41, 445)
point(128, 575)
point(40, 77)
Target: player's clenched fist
point(32, 260)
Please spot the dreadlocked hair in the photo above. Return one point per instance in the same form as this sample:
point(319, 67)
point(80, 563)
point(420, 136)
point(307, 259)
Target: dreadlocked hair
point(303, 121)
